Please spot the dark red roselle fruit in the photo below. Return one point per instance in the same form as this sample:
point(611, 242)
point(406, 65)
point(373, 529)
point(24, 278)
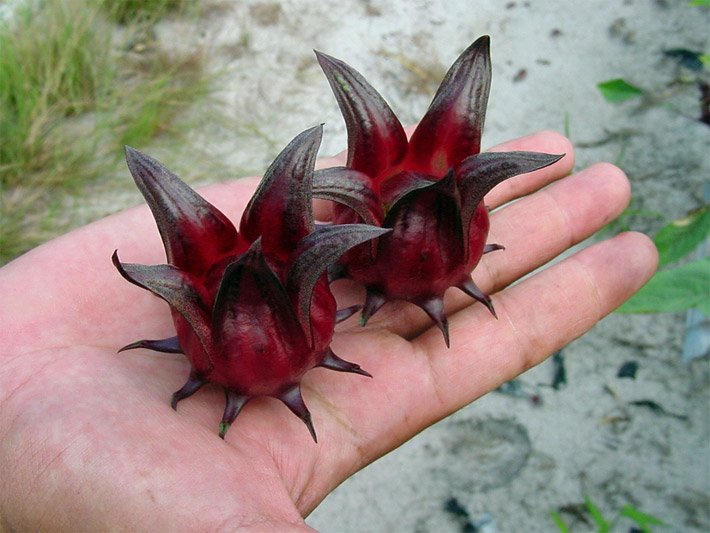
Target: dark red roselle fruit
point(252, 309)
point(429, 189)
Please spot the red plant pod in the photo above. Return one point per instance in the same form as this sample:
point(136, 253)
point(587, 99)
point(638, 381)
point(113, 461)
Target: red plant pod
point(428, 190)
point(252, 309)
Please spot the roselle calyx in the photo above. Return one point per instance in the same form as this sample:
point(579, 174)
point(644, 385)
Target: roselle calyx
point(252, 308)
point(429, 189)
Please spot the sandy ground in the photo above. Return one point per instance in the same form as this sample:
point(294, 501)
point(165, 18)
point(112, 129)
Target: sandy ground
point(504, 463)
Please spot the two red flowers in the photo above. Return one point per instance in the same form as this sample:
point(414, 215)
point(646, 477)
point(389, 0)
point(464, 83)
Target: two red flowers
point(252, 307)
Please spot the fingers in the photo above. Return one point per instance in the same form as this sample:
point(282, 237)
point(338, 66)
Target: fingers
point(337, 160)
point(537, 317)
point(539, 228)
point(423, 381)
point(533, 230)
point(322, 210)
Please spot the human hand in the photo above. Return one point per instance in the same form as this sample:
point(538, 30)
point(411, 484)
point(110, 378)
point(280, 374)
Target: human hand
point(88, 439)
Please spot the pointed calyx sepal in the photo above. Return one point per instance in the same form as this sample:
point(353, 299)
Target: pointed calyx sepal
point(194, 232)
point(251, 293)
point(350, 188)
point(434, 307)
point(169, 345)
point(343, 314)
point(177, 289)
point(234, 404)
point(374, 300)
point(478, 174)
point(194, 383)
point(314, 255)
point(333, 362)
point(409, 185)
point(451, 129)
point(492, 247)
point(293, 399)
point(402, 185)
point(470, 288)
point(280, 212)
point(376, 139)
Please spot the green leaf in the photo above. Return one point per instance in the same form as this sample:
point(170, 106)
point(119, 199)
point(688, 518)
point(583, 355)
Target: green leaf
point(700, 3)
point(642, 519)
point(618, 90)
point(705, 60)
point(674, 290)
point(597, 516)
point(559, 522)
point(681, 237)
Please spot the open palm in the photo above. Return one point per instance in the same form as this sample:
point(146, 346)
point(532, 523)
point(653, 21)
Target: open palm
point(88, 438)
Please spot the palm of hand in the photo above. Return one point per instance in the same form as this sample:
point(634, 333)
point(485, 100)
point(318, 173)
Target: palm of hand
point(88, 435)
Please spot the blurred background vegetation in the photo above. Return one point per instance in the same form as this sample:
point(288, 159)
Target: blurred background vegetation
point(78, 81)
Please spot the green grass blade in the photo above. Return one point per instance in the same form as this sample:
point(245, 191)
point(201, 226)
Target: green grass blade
point(596, 514)
point(559, 522)
point(644, 520)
